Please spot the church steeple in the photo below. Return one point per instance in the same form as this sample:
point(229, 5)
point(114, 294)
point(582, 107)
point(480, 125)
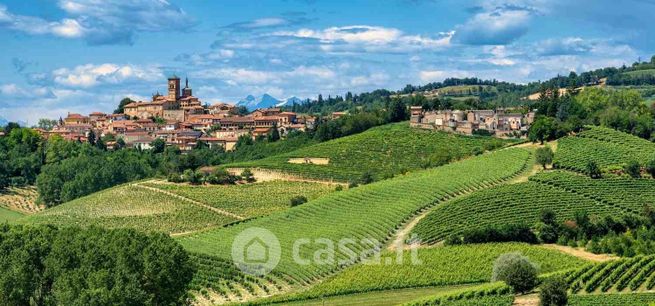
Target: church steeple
point(186, 91)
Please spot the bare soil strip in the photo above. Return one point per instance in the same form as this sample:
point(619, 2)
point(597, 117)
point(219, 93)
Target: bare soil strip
point(580, 253)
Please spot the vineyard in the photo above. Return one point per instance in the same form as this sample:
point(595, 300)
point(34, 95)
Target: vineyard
point(248, 200)
point(632, 299)
point(623, 275)
point(497, 294)
point(624, 194)
point(384, 151)
point(371, 211)
point(563, 192)
point(129, 206)
point(606, 147)
point(440, 266)
point(21, 199)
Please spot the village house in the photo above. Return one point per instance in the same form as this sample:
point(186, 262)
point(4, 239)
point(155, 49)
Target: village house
point(496, 122)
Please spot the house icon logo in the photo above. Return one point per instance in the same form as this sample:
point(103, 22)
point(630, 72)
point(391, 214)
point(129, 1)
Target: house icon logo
point(256, 251)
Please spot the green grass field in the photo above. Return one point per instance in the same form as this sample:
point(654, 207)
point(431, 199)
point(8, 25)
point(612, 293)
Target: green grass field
point(249, 200)
point(641, 72)
point(439, 266)
point(131, 207)
point(384, 151)
point(371, 211)
point(9, 216)
point(606, 147)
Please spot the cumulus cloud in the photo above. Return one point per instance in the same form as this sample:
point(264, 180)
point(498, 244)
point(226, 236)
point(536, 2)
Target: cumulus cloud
point(498, 26)
point(90, 75)
point(102, 21)
point(13, 92)
point(564, 46)
point(234, 76)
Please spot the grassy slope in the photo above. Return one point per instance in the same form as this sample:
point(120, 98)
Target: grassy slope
point(624, 299)
point(371, 211)
point(249, 200)
point(383, 150)
point(10, 216)
point(439, 266)
point(127, 206)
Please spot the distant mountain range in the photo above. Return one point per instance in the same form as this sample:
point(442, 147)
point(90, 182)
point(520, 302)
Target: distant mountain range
point(265, 101)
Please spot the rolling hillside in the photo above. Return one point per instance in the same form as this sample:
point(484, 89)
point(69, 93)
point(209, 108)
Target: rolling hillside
point(383, 151)
point(372, 211)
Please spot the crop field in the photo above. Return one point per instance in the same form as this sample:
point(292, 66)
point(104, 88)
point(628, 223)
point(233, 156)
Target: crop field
point(641, 72)
point(129, 206)
point(384, 151)
point(9, 216)
point(622, 299)
point(497, 294)
point(371, 211)
point(380, 298)
point(623, 275)
point(439, 266)
point(21, 199)
point(604, 146)
point(506, 204)
point(626, 194)
point(249, 200)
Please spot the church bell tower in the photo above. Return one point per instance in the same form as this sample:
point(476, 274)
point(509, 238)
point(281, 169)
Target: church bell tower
point(174, 88)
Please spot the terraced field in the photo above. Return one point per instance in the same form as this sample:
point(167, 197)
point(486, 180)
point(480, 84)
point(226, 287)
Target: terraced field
point(248, 200)
point(439, 266)
point(371, 211)
point(384, 151)
point(21, 199)
point(129, 206)
point(606, 147)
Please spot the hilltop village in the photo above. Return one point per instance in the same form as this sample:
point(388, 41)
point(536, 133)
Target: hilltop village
point(500, 123)
point(181, 119)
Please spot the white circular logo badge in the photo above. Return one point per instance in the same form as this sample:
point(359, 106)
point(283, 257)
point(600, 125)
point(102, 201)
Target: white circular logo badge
point(256, 251)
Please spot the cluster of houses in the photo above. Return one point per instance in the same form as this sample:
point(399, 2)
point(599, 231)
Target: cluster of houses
point(500, 123)
point(181, 120)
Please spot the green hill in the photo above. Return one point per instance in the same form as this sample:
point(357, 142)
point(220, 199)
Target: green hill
point(371, 211)
point(606, 147)
point(561, 191)
point(10, 216)
point(383, 151)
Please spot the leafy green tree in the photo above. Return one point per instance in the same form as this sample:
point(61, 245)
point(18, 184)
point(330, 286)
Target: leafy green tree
point(273, 134)
point(633, 168)
point(593, 170)
point(46, 124)
point(553, 292)
point(541, 130)
point(397, 111)
point(91, 137)
point(120, 143)
point(367, 178)
point(158, 145)
point(515, 270)
point(121, 105)
point(544, 156)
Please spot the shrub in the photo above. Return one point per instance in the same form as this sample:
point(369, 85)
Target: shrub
point(193, 177)
point(297, 200)
point(367, 178)
point(633, 169)
point(650, 168)
point(593, 170)
point(548, 233)
point(338, 188)
point(515, 270)
point(553, 292)
point(175, 178)
point(544, 156)
point(248, 176)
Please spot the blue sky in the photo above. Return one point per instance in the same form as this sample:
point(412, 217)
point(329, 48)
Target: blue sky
point(85, 55)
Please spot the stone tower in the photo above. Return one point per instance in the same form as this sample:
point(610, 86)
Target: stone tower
point(186, 92)
point(174, 88)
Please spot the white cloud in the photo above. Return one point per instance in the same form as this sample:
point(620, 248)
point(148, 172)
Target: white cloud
point(368, 38)
point(427, 76)
point(498, 26)
point(234, 76)
point(374, 79)
point(91, 75)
